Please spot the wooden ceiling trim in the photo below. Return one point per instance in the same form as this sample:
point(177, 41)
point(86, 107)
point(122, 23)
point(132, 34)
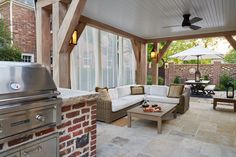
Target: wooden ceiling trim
point(105, 27)
point(195, 36)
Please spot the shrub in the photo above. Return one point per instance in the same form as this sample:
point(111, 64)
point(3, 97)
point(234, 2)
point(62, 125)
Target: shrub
point(206, 77)
point(10, 54)
point(177, 80)
point(224, 79)
point(149, 79)
point(161, 81)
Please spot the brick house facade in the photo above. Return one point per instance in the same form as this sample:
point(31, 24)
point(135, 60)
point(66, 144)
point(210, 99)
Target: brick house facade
point(20, 17)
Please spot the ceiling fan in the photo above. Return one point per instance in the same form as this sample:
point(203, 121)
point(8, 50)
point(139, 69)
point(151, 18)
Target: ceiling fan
point(188, 22)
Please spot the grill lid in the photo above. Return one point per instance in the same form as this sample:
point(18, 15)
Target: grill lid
point(25, 80)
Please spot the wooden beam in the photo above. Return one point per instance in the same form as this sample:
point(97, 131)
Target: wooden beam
point(43, 37)
point(155, 65)
point(195, 36)
point(163, 50)
point(109, 28)
point(231, 40)
point(69, 23)
point(45, 3)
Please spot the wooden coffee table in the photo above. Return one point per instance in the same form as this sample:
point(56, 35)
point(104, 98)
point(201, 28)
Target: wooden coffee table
point(221, 98)
point(154, 116)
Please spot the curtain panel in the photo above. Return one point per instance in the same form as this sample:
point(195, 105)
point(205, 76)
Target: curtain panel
point(102, 59)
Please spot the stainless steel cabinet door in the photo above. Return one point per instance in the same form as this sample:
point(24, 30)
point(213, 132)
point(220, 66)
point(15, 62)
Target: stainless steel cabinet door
point(44, 149)
point(14, 155)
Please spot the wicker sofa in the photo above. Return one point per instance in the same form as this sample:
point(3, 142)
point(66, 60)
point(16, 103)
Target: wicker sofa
point(122, 100)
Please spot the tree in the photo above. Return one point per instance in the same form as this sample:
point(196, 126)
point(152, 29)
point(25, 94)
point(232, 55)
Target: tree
point(230, 57)
point(8, 51)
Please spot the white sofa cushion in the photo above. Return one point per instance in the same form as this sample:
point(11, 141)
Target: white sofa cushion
point(162, 99)
point(147, 89)
point(126, 101)
point(123, 91)
point(159, 90)
point(113, 93)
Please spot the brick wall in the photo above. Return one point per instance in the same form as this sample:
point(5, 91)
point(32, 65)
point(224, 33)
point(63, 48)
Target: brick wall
point(24, 35)
point(23, 17)
point(77, 132)
point(5, 12)
point(212, 70)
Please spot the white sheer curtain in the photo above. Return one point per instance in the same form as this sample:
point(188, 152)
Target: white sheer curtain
point(101, 59)
point(84, 61)
point(109, 57)
point(128, 63)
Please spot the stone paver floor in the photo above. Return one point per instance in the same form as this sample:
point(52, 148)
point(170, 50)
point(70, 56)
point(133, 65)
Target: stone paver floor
point(200, 132)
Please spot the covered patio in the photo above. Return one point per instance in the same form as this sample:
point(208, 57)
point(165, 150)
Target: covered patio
point(110, 50)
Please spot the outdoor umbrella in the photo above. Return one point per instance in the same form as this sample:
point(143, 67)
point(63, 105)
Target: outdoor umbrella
point(198, 52)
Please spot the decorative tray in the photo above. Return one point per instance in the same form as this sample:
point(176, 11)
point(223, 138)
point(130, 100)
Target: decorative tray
point(151, 108)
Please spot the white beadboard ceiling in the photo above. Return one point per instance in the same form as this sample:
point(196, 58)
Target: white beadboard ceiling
point(145, 18)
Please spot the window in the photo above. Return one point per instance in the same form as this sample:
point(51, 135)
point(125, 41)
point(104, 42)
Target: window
point(101, 59)
point(27, 57)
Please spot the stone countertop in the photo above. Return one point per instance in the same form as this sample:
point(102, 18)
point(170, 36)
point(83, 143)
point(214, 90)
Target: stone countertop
point(70, 96)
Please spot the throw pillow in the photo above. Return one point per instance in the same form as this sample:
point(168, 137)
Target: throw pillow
point(103, 95)
point(97, 89)
point(113, 93)
point(175, 90)
point(137, 90)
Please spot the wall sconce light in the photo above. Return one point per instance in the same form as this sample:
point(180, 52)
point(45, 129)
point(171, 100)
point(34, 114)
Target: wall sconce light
point(154, 55)
point(74, 38)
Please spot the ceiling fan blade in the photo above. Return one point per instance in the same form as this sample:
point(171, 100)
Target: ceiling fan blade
point(195, 19)
point(171, 26)
point(194, 27)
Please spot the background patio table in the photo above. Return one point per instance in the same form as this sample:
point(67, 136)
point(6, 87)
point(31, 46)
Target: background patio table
point(197, 86)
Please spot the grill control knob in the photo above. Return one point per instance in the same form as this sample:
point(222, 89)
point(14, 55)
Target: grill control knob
point(40, 118)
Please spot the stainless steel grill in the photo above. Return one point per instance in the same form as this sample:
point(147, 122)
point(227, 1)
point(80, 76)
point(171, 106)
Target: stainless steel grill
point(28, 99)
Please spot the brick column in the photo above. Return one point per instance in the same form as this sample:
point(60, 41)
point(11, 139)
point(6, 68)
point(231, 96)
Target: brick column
point(216, 72)
point(169, 74)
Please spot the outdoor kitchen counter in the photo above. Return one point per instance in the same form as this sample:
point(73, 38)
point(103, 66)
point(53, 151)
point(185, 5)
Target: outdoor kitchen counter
point(78, 129)
point(76, 96)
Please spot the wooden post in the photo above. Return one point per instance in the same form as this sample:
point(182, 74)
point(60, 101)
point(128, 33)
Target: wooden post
point(44, 42)
point(141, 61)
point(155, 65)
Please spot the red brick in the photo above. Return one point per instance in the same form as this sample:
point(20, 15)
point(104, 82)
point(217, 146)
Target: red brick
point(78, 120)
point(93, 142)
point(94, 122)
point(70, 142)
point(72, 114)
point(93, 127)
point(85, 110)
point(73, 128)
point(94, 112)
point(75, 154)
point(94, 117)
point(93, 137)
point(77, 133)
point(63, 125)
point(65, 152)
point(64, 138)
point(93, 132)
point(79, 105)
point(62, 146)
point(93, 148)
point(86, 123)
point(65, 108)
point(47, 131)
point(94, 107)
point(87, 129)
point(93, 153)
